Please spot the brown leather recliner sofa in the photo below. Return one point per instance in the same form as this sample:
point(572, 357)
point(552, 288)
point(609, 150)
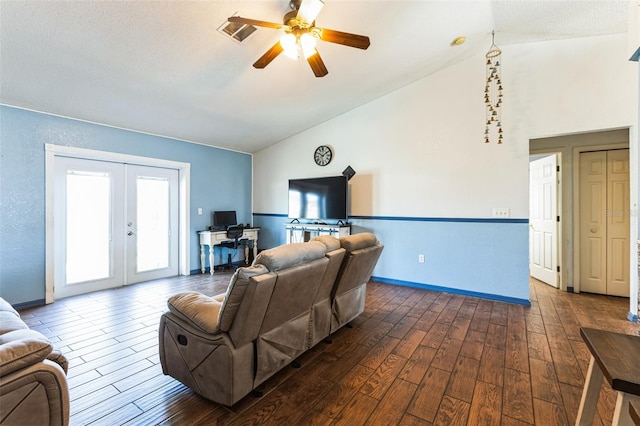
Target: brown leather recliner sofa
point(290, 298)
point(33, 381)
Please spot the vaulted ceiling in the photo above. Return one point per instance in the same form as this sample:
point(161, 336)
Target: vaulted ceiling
point(162, 67)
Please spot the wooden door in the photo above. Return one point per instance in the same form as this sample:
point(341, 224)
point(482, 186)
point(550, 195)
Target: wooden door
point(604, 222)
point(618, 223)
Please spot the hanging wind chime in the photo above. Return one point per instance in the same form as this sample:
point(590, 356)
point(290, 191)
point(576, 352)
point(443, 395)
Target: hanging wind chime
point(493, 91)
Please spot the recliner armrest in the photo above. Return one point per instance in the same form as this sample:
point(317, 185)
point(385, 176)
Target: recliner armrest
point(59, 358)
point(21, 348)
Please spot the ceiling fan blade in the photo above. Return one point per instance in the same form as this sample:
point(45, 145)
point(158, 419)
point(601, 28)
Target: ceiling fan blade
point(255, 22)
point(269, 56)
point(346, 39)
point(317, 65)
point(309, 10)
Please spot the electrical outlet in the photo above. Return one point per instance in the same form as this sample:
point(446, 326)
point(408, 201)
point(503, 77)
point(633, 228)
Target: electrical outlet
point(501, 212)
point(199, 211)
point(421, 258)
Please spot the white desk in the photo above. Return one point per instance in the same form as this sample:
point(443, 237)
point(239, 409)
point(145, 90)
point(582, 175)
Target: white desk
point(215, 238)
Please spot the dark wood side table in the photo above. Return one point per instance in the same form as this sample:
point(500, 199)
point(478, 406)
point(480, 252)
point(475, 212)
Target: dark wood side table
point(617, 357)
point(634, 411)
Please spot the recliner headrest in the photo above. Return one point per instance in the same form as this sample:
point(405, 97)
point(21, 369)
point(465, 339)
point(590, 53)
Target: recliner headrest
point(289, 255)
point(332, 243)
point(358, 241)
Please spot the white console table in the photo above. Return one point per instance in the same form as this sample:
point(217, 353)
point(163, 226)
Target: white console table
point(302, 232)
point(215, 238)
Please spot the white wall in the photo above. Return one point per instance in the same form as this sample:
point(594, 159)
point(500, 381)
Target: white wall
point(417, 152)
point(573, 86)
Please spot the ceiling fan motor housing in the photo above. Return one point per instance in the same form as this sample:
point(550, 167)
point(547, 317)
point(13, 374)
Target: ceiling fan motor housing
point(298, 27)
point(290, 18)
point(295, 4)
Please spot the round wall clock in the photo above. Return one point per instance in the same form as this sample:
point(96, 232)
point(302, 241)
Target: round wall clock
point(323, 155)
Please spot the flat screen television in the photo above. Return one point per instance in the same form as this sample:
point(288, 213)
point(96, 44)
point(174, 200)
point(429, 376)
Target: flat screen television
point(224, 219)
point(318, 198)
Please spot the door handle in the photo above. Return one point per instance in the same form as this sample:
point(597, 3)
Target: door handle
point(130, 233)
point(593, 230)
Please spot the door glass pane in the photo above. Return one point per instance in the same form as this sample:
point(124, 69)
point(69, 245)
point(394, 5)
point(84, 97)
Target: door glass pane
point(152, 223)
point(88, 225)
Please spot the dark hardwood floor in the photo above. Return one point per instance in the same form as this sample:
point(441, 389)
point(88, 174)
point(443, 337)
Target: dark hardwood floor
point(414, 357)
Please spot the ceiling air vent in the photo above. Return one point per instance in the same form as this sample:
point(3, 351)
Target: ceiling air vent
point(236, 31)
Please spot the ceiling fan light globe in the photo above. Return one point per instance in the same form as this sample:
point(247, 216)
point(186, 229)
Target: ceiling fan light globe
point(290, 45)
point(291, 55)
point(307, 44)
point(309, 10)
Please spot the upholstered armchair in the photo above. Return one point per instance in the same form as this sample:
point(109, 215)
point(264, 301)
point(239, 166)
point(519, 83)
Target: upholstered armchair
point(33, 381)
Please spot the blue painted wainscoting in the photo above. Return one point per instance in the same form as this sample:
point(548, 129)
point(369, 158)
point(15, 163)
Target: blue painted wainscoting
point(483, 257)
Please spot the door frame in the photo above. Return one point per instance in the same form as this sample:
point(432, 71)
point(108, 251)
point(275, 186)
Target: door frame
point(184, 175)
point(576, 202)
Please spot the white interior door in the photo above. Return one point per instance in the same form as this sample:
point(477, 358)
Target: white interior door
point(152, 223)
point(604, 222)
point(543, 223)
point(87, 222)
point(114, 224)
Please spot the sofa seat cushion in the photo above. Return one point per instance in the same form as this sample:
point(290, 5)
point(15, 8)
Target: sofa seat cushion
point(289, 255)
point(22, 348)
point(197, 309)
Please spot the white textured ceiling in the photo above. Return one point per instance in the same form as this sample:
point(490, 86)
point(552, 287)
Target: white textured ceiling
point(161, 67)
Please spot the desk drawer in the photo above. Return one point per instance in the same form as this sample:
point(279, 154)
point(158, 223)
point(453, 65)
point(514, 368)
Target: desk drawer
point(219, 237)
point(251, 234)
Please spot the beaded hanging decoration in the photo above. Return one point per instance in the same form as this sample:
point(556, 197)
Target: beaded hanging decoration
point(493, 91)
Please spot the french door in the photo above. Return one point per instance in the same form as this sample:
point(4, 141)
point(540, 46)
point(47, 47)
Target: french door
point(114, 224)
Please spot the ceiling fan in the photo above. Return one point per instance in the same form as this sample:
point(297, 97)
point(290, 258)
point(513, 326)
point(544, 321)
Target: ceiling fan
point(300, 35)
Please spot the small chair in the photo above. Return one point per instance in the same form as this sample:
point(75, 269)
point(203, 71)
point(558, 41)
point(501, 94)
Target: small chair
point(614, 357)
point(234, 233)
